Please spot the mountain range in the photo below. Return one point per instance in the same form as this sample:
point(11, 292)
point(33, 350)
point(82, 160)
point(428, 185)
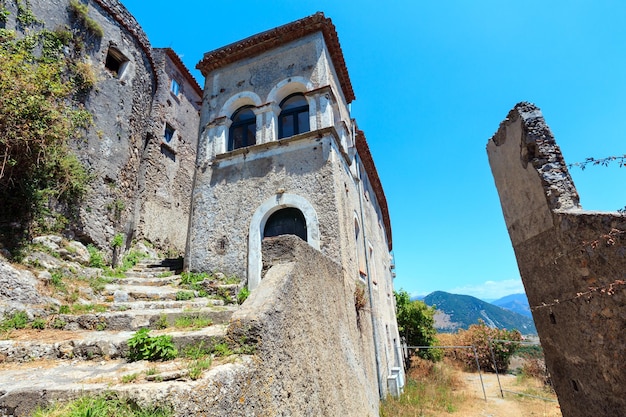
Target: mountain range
point(514, 302)
point(455, 311)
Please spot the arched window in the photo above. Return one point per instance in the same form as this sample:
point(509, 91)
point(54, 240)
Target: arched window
point(288, 221)
point(294, 116)
point(242, 132)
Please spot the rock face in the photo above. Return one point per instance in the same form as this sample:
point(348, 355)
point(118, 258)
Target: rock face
point(571, 263)
point(18, 290)
point(315, 350)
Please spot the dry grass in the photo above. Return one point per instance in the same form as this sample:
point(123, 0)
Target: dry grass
point(445, 388)
point(430, 388)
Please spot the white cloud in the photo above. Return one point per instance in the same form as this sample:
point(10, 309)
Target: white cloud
point(490, 290)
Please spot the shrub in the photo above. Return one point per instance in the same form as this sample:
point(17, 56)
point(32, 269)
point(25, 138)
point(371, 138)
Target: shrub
point(38, 324)
point(243, 295)
point(131, 259)
point(536, 368)
point(222, 349)
point(191, 279)
point(17, 320)
point(107, 404)
point(38, 119)
point(117, 241)
point(503, 344)
point(145, 347)
point(184, 295)
point(80, 12)
point(96, 260)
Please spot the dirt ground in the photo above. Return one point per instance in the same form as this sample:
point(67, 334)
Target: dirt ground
point(512, 405)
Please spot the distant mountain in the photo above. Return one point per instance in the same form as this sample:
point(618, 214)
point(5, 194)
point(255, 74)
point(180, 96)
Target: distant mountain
point(456, 311)
point(515, 302)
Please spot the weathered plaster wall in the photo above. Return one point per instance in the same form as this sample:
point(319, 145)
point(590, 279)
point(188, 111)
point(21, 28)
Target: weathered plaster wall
point(228, 193)
point(572, 264)
point(236, 190)
point(141, 185)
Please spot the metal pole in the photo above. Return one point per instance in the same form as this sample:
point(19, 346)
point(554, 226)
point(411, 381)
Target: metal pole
point(495, 366)
point(479, 373)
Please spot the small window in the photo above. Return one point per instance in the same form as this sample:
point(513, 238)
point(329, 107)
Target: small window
point(115, 62)
point(175, 87)
point(169, 133)
point(294, 116)
point(242, 132)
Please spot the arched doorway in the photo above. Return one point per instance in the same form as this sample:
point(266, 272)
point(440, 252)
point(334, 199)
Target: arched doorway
point(261, 218)
point(287, 221)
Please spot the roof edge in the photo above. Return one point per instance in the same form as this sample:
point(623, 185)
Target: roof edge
point(368, 163)
point(264, 41)
point(182, 68)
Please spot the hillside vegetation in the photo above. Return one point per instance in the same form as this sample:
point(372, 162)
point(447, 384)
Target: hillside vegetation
point(461, 311)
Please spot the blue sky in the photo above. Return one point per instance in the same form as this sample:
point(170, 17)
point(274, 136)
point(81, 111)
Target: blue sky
point(433, 80)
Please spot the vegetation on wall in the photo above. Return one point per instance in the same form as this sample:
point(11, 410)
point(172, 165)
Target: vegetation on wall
point(39, 115)
point(80, 13)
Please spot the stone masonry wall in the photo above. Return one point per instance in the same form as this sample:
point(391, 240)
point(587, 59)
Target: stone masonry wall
point(140, 188)
point(571, 262)
point(120, 104)
point(167, 171)
point(227, 194)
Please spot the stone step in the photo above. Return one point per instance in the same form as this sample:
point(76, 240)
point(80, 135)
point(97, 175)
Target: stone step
point(175, 264)
point(25, 387)
point(133, 319)
point(148, 271)
point(152, 281)
point(89, 345)
point(123, 293)
point(166, 304)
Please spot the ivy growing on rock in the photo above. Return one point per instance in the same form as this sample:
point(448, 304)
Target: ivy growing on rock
point(40, 114)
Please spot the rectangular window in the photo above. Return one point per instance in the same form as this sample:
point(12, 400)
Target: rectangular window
point(115, 62)
point(169, 133)
point(175, 87)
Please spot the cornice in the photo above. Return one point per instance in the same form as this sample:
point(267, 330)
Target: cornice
point(273, 38)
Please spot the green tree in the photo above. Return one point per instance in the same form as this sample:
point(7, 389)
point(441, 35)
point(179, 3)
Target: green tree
point(416, 324)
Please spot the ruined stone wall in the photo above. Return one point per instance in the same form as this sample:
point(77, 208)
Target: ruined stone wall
point(571, 263)
point(315, 348)
point(168, 163)
point(141, 184)
point(120, 104)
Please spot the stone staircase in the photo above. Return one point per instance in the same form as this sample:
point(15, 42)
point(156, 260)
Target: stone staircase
point(87, 353)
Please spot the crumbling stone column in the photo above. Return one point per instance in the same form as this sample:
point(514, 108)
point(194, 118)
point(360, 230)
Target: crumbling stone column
point(571, 262)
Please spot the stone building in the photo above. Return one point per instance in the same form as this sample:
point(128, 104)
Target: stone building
point(571, 262)
point(267, 148)
point(170, 153)
point(278, 154)
point(141, 146)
